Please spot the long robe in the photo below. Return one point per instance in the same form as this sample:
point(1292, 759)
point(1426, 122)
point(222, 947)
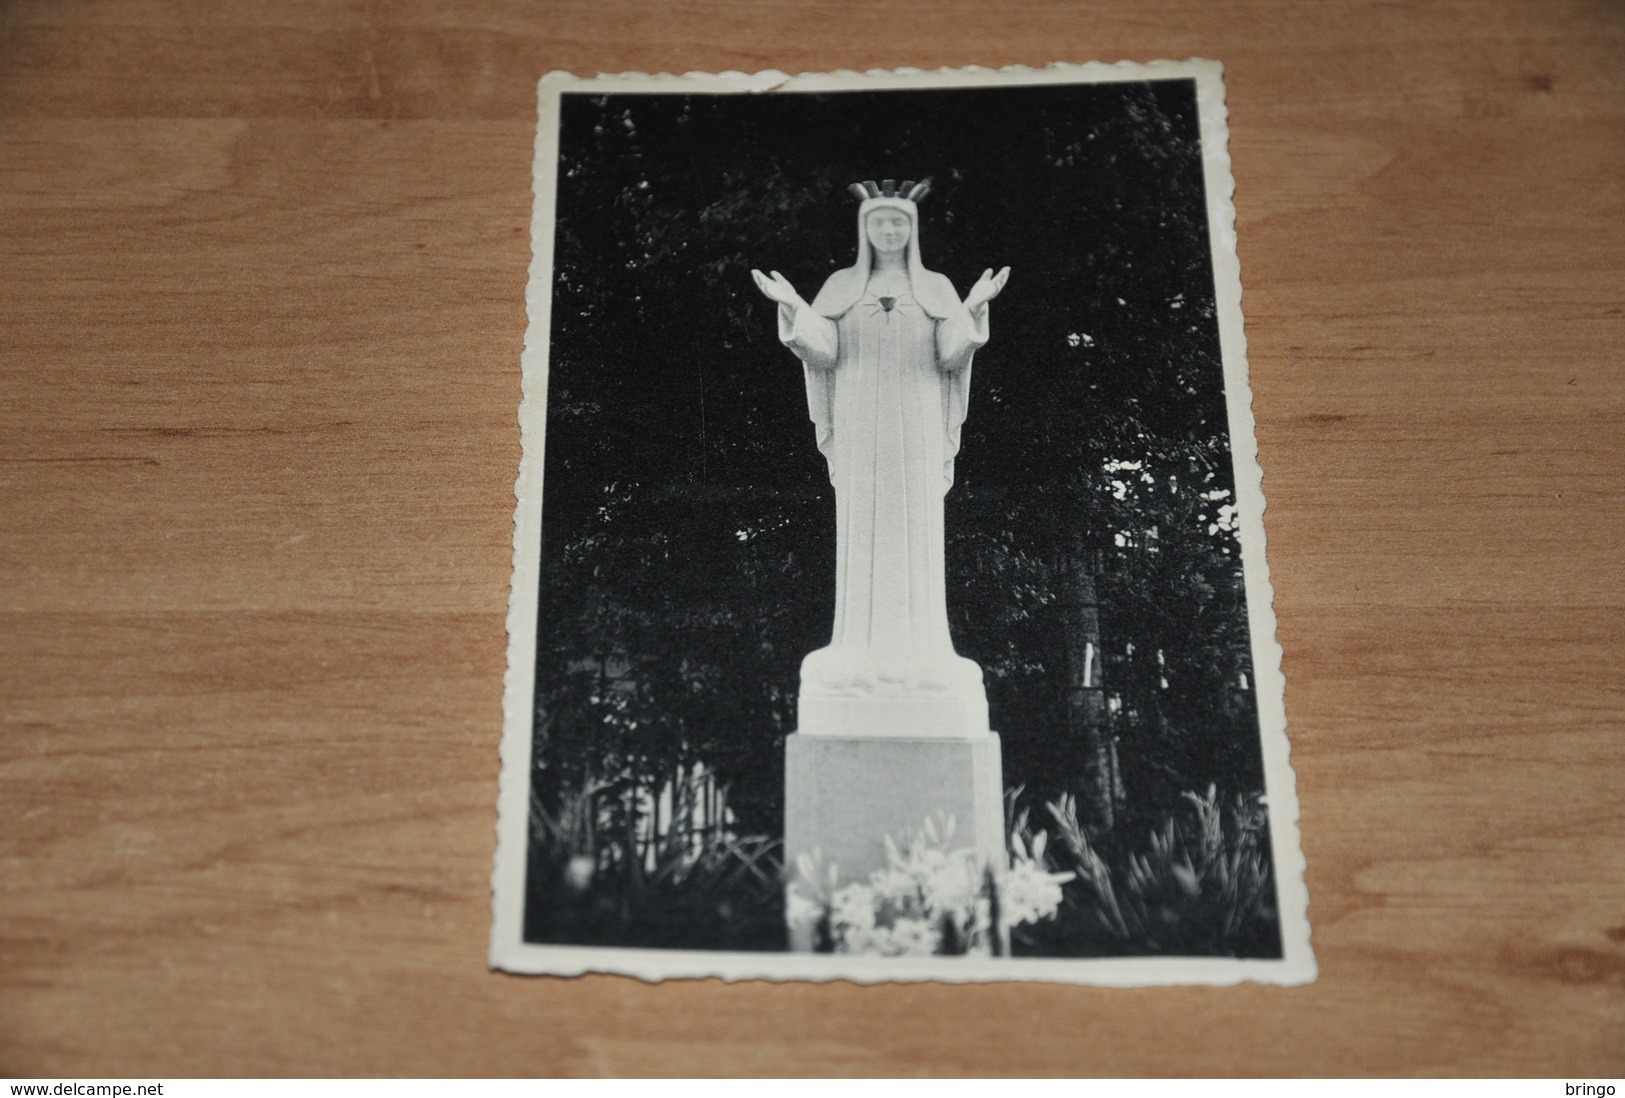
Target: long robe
point(887, 390)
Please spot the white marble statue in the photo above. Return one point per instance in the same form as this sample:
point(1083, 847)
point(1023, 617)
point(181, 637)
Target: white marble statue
point(886, 347)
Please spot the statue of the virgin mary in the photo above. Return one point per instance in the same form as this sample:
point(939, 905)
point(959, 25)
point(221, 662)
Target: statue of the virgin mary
point(886, 347)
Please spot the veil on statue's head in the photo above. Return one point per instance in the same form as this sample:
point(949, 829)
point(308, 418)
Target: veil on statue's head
point(888, 196)
point(845, 287)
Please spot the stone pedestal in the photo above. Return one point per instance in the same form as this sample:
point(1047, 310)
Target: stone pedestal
point(844, 795)
point(863, 693)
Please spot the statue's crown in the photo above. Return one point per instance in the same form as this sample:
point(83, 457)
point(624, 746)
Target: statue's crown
point(888, 188)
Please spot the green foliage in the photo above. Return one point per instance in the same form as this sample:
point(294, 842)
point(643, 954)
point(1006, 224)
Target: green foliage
point(701, 889)
point(1197, 888)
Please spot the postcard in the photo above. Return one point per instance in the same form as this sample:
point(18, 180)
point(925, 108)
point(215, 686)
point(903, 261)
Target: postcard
point(889, 595)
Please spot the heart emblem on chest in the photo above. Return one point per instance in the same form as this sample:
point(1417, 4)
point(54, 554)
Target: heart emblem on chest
point(887, 303)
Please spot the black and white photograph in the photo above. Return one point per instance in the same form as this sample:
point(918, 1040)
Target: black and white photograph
point(890, 599)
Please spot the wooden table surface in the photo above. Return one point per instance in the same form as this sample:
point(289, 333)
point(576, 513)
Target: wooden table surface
point(261, 304)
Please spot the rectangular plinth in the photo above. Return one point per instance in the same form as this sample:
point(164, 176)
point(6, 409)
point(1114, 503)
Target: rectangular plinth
point(843, 796)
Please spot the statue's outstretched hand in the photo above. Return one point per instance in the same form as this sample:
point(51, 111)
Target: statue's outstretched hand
point(986, 289)
point(779, 289)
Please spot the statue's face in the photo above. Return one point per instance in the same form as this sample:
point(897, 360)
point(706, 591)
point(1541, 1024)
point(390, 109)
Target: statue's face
point(888, 230)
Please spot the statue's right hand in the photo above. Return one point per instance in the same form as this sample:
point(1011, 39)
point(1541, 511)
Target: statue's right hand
point(778, 288)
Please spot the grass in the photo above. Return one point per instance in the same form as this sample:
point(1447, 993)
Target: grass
point(1200, 885)
point(686, 889)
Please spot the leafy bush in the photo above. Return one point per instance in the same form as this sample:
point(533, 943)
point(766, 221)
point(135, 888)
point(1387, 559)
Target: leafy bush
point(685, 889)
point(1197, 888)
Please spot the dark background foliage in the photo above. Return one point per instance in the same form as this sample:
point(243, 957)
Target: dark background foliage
point(688, 540)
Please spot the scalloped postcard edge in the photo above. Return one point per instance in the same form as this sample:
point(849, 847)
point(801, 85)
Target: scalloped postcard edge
point(509, 952)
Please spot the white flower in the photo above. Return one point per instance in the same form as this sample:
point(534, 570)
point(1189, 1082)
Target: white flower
point(579, 872)
point(1028, 893)
point(855, 907)
point(892, 884)
point(853, 940)
point(912, 938)
point(904, 906)
point(950, 886)
point(801, 911)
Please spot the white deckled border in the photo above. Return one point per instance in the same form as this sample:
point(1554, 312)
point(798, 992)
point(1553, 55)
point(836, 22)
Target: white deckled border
point(508, 949)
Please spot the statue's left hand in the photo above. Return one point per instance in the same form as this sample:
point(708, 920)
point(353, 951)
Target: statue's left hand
point(986, 289)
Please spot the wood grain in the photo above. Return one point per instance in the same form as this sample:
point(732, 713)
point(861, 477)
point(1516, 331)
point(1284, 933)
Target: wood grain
point(261, 306)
